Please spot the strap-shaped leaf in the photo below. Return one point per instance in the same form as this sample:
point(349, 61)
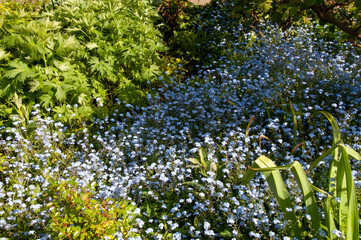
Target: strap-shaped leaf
point(324, 155)
point(353, 153)
point(329, 216)
point(308, 196)
point(335, 128)
point(278, 188)
point(348, 204)
point(306, 188)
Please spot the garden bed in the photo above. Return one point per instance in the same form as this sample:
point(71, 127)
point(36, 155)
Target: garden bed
point(173, 168)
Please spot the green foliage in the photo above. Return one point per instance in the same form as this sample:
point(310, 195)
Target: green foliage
point(75, 214)
point(15, 5)
point(340, 205)
point(80, 53)
point(206, 165)
point(341, 14)
point(173, 15)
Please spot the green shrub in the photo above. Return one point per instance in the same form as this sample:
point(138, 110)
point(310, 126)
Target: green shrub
point(75, 214)
point(81, 53)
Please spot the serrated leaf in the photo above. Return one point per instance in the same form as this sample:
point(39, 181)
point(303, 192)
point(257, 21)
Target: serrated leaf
point(3, 54)
point(20, 71)
point(61, 66)
point(70, 43)
point(60, 93)
point(34, 85)
point(46, 99)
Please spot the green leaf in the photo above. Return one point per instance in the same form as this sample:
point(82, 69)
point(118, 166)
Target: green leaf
point(324, 155)
point(226, 233)
point(308, 196)
point(70, 43)
point(20, 71)
point(353, 153)
point(34, 85)
point(348, 202)
point(91, 45)
point(76, 234)
point(46, 99)
point(278, 188)
point(194, 161)
point(329, 217)
point(60, 93)
point(3, 54)
point(335, 128)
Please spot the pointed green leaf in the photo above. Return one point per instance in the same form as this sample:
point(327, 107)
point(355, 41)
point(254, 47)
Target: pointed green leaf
point(279, 189)
point(194, 161)
point(353, 153)
point(202, 157)
point(349, 221)
point(60, 93)
point(308, 196)
point(3, 54)
point(213, 167)
point(329, 217)
point(323, 156)
point(34, 85)
point(335, 128)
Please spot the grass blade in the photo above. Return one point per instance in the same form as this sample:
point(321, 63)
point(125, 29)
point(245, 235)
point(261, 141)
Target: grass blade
point(249, 124)
point(306, 188)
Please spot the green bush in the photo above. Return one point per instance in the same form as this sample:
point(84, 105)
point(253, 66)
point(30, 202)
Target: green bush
point(75, 214)
point(81, 53)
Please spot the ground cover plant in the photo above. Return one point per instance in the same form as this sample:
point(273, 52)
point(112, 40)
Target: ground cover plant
point(175, 168)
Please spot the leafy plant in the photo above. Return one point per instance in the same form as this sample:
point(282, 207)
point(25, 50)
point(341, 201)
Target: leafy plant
point(86, 54)
point(207, 165)
point(340, 205)
point(172, 12)
point(76, 214)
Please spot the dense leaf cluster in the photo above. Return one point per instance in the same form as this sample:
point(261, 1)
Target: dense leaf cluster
point(85, 53)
